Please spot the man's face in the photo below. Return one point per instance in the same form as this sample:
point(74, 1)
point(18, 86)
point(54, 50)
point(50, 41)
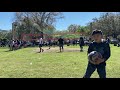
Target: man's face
point(97, 37)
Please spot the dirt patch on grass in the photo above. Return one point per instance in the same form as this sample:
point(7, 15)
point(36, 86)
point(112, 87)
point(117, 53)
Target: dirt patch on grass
point(56, 49)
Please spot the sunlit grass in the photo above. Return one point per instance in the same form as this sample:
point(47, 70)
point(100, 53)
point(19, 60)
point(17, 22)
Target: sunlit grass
point(27, 63)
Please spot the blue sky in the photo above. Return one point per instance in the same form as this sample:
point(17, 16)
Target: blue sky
point(80, 18)
point(6, 18)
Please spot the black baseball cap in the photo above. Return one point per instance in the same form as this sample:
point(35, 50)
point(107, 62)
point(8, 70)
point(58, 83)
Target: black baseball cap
point(97, 32)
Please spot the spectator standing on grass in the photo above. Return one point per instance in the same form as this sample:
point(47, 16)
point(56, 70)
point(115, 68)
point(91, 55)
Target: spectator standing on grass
point(41, 44)
point(10, 44)
point(61, 43)
point(76, 42)
point(13, 44)
point(73, 42)
point(54, 42)
point(108, 40)
point(49, 43)
point(81, 43)
point(68, 42)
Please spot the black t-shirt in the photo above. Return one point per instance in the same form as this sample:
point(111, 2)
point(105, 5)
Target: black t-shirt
point(60, 41)
point(81, 41)
point(18, 42)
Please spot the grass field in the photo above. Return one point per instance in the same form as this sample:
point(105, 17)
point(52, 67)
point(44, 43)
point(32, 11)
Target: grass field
point(27, 63)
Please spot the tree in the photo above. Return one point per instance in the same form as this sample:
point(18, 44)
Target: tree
point(84, 30)
point(4, 34)
point(37, 22)
point(9, 35)
point(109, 23)
point(73, 28)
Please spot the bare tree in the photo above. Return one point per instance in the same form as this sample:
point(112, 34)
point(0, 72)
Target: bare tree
point(37, 22)
point(73, 28)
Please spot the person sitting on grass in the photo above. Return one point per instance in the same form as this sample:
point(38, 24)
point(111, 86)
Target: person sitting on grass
point(104, 49)
point(68, 42)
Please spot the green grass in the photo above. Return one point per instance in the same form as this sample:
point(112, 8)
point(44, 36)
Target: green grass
point(16, 64)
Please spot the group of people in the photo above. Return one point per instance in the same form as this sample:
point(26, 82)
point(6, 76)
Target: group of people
point(61, 43)
point(2, 43)
point(50, 42)
point(72, 42)
point(16, 44)
point(60, 40)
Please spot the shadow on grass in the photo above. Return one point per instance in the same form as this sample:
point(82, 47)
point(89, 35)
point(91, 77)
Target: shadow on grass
point(70, 51)
point(39, 52)
point(8, 51)
point(11, 50)
point(59, 52)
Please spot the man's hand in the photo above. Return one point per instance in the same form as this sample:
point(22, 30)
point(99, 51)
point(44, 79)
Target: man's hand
point(99, 60)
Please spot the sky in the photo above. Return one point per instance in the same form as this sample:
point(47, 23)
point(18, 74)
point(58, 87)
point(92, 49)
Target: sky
point(80, 18)
point(6, 19)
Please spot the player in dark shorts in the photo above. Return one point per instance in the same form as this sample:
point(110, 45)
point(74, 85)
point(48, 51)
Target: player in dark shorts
point(49, 43)
point(61, 43)
point(81, 43)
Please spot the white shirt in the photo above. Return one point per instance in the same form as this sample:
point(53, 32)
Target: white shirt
point(40, 41)
point(13, 42)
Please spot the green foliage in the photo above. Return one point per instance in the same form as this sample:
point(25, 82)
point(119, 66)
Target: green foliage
point(71, 36)
point(4, 34)
point(109, 23)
